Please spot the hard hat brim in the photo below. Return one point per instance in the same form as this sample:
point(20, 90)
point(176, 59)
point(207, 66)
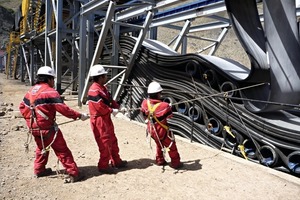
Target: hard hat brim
point(92, 75)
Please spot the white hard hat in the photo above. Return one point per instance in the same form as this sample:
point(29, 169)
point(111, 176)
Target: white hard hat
point(154, 87)
point(46, 70)
point(97, 70)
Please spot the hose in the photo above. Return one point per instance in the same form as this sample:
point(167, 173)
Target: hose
point(216, 126)
point(195, 113)
point(183, 107)
point(269, 157)
point(294, 162)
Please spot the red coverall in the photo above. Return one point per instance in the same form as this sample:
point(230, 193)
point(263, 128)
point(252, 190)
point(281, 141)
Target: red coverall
point(48, 101)
point(162, 112)
point(100, 107)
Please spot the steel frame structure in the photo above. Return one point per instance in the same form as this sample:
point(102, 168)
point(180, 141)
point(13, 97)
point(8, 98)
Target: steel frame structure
point(67, 42)
point(151, 19)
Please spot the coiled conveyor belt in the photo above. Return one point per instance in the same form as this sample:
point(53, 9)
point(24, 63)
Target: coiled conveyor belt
point(221, 103)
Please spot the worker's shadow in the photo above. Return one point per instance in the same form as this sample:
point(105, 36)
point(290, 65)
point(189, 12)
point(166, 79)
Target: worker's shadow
point(92, 171)
point(143, 163)
point(191, 165)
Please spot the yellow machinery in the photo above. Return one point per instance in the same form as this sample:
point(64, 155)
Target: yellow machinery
point(12, 51)
point(31, 22)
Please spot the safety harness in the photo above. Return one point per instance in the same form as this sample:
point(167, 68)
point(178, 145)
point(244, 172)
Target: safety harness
point(151, 116)
point(33, 119)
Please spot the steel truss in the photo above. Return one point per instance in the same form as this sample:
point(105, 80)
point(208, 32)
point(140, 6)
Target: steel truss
point(70, 35)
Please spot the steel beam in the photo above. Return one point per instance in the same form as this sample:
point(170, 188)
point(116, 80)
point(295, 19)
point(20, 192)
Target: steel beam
point(58, 48)
point(189, 14)
point(106, 25)
point(182, 34)
point(93, 6)
point(135, 51)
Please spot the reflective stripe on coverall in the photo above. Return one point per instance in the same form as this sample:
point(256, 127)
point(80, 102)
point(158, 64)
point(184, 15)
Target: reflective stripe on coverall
point(48, 102)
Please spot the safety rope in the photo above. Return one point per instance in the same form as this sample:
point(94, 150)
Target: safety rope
point(28, 141)
point(45, 149)
point(33, 118)
point(220, 94)
point(152, 116)
point(244, 125)
point(228, 98)
point(203, 109)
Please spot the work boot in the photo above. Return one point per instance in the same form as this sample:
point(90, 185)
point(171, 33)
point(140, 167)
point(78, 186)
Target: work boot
point(46, 172)
point(163, 163)
point(180, 165)
point(122, 164)
point(108, 170)
point(73, 179)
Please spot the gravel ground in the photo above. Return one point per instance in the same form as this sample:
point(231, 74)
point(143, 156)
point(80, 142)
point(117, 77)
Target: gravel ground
point(207, 174)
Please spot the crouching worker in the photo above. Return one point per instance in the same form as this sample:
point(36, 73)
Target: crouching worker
point(39, 108)
point(101, 106)
point(156, 114)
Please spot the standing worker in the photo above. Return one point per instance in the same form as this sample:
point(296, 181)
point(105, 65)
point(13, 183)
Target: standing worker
point(39, 108)
point(101, 105)
point(156, 114)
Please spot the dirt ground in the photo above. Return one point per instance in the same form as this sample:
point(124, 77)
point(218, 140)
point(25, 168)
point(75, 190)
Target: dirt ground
point(207, 174)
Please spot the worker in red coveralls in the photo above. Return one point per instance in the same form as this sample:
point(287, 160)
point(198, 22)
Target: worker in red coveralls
point(156, 114)
point(39, 108)
point(101, 106)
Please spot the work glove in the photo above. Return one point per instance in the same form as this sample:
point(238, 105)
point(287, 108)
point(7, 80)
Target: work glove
point(123, 110)
point(84, 116)
point(115, 111)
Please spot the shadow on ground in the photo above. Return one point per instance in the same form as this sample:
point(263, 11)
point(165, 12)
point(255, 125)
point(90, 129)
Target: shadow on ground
point(143, 163)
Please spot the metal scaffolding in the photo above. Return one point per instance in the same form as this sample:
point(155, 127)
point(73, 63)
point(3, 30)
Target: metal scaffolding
point(70, 36)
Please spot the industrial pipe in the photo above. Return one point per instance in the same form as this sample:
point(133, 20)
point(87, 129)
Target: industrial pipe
point(210, 77)
point(228, 86)
point(191, 68)
point(268, 156)
point(294, 162)
point(250, 149)
point(195, 113)
point(183, 107)
point(171, 101)
point(232, 138)
point(216, 126)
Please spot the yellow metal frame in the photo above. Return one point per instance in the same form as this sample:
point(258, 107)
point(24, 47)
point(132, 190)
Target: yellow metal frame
point(12, 49)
